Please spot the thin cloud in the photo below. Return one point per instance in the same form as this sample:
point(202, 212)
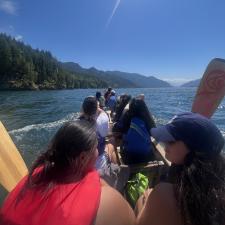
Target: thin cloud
point(113, 12)
point(8, 7)
point(19, 37)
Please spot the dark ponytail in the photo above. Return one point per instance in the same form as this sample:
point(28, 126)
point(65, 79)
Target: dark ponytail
point(62, 155)
point(200, 190)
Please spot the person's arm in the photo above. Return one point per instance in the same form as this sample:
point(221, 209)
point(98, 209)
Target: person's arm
point(113, 209)
point(140, 204)
point(160, 207)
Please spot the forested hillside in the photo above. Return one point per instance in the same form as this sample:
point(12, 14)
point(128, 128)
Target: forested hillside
point(117, 78)
point(22, 67)
point(111, 79)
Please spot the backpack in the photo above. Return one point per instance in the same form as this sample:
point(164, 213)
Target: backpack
point(135, 187)
point(137, 139)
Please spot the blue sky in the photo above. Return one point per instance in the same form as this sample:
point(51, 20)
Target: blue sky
point(170, 39)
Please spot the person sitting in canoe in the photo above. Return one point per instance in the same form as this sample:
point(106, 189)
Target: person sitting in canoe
point(63, 186)
point(119, 112)
point(197, 194)
point(137, 123)
point(91, 112)
point(100, 99)
point(111, 104)
point(107, 95)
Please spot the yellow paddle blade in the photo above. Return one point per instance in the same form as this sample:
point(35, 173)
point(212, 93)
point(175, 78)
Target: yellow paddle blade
point(12, 166)
point(211, 89)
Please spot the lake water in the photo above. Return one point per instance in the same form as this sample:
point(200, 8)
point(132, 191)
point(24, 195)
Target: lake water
point(33, 117)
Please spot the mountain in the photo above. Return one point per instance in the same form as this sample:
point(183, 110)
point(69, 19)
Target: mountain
point(117, 78)
point(111, 80)
point(140, 80)
point(193, 83)
point(25, 68)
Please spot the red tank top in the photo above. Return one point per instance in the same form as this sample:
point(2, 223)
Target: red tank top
point(66, 204)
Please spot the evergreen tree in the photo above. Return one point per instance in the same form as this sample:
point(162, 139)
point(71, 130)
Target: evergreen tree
point(22, 67)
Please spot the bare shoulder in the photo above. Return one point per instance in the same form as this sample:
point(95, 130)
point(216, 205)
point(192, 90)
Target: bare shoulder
point(160, 192)
point(160, 207)
point(114, 209)
point(162, 196)
point(164, 190)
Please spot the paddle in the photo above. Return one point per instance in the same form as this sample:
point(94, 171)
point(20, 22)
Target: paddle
point(211, 89)
point(12, 166)
point(210, 93)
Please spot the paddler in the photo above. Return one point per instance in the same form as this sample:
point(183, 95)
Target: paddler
point(63, 186)
point(197, 195)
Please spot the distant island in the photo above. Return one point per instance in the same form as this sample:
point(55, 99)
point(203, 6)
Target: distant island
point(25, 68)
point(193, 83)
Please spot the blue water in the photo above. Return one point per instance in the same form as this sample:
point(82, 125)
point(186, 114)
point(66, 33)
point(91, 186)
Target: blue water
point(32, 117)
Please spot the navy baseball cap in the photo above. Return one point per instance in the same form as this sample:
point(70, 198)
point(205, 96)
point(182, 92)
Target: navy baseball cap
point(197, 132)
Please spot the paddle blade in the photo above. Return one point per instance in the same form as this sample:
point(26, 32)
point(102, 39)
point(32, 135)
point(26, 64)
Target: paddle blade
point(12, 166)
point(211, 89)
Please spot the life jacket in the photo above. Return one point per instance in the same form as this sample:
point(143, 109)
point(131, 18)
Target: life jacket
point(137, 139)
point(70, 203)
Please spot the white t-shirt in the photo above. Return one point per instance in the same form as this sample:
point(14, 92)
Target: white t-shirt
point(103, 124)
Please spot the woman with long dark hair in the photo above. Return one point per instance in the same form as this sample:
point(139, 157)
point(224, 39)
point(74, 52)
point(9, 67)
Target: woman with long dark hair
point(120, 112)
point(123, 101)
point(196, 196)
point(137, 123)
point(63, 186)
point(139, 109)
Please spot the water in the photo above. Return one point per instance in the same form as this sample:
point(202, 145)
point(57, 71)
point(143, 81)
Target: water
point(33, 117)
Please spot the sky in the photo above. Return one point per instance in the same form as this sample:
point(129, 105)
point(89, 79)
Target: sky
point(172, 40)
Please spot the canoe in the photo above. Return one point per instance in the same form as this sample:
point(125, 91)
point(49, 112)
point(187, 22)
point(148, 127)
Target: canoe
point(209, 94)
